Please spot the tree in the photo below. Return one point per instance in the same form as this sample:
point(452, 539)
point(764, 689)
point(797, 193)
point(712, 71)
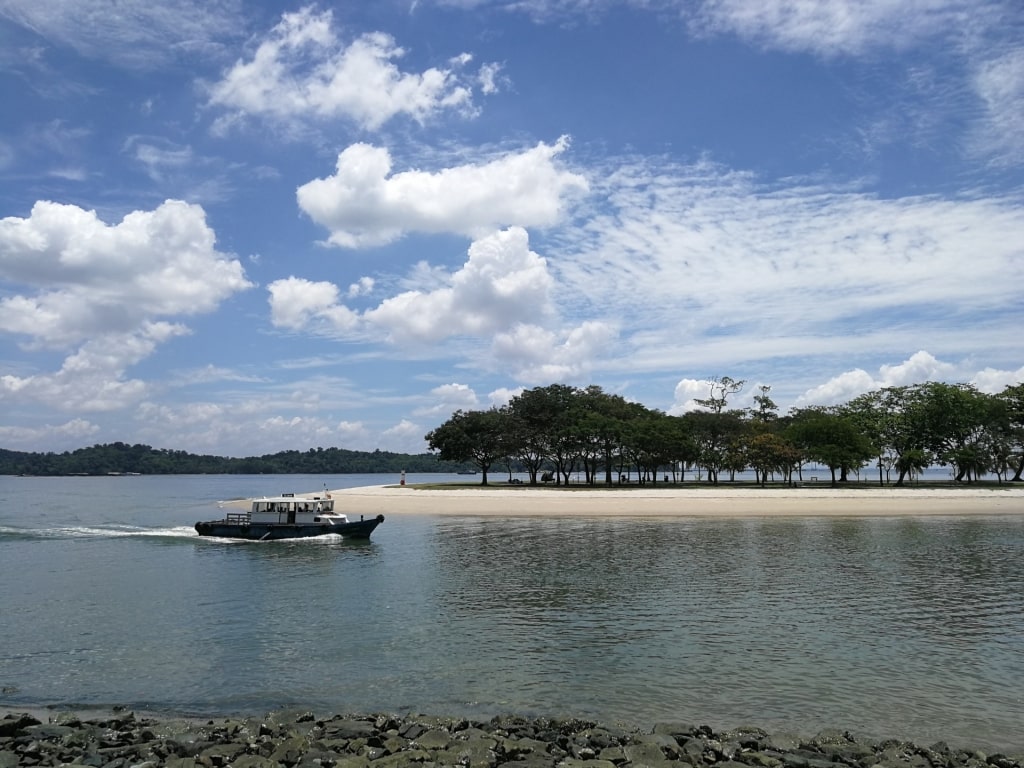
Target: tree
point(766, 407)
point(1013, 401)
point(649, 442)
point(832, 439)
point(713, 433)
point(720, 390)
point(477, 436)
point(958, 423)
point(768, 452)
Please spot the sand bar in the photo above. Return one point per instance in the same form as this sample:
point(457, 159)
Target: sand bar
point(676, 501)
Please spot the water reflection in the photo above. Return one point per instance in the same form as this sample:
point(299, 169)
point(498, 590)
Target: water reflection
point(791, 617)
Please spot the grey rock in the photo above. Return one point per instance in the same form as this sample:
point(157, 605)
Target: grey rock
point(434, 739)
point(570, 762)
point(678, 731)
point(344, 728)
point(645, 754)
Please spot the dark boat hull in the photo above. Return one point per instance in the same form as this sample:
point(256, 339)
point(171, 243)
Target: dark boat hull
point(358, 529)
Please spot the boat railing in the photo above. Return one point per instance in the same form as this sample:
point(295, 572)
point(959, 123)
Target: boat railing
point(237, 518)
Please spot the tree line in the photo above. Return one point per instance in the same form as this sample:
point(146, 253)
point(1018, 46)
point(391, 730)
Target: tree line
point(551, 432)
point(121, 458)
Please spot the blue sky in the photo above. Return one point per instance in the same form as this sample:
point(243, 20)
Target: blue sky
point(239, 228)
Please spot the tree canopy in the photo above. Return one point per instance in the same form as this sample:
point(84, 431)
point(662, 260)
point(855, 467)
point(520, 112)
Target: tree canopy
point(551, 432)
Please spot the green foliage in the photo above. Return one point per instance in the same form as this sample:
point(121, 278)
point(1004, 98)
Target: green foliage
point(120, 458)
point(559, 429)
point(830, 438)
point(476, 436)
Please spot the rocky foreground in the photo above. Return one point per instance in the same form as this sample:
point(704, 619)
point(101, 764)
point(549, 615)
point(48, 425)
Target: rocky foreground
point(122, 740)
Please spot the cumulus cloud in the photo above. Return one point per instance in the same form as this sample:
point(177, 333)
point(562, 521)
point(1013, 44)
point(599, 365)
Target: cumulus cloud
point(503, 395)
point(364, 204)
point(918, 368)
point(993, 380)
point(502, 283)
point(501, 293)
point(70, 433)
point(93, 378)
point(449, 398)
point(75, 280)
point(85, 278)
point(297, 304)
point(539, 356)
point(302, 70)
point(406, 435)
point(686, 394)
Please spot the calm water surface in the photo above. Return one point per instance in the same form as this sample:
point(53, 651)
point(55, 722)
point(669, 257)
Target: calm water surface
point(891, 627)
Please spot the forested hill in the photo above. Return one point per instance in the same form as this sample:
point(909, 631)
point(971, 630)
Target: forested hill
point(142, 459)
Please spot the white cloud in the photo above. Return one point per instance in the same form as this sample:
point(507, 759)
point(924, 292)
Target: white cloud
point(105, 289)
point(159, 157)
point(993, 380)
point(71, 434)
point(838, 27)
point(93, 378)
point(135, 35)
point(502, 283)
point(365, 204)
point(448, 398)
point(686, 394)
point(539, 356)
point(273, 422)
point(699, 265)
point(999, 83)
point(352, 433)
point(503, 396)
point(297, 304)
point(501, 293)
point(405, 436)
point(917, 369)
point(363, 287)
point(87, 278)
point(302, 70)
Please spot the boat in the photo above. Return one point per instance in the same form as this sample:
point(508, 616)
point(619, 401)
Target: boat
point(289, 517)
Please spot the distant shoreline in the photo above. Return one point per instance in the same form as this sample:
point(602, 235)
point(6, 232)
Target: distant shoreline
point(684, 502)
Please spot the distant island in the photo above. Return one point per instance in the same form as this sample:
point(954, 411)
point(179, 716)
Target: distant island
point(124, 459)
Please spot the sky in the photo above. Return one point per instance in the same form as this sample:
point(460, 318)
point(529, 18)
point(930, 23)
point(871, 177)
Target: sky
point(239, 228)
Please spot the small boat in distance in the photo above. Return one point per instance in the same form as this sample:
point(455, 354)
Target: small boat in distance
point(288, 517)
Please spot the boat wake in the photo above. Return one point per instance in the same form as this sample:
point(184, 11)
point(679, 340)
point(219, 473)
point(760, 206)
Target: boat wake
point(97, 532)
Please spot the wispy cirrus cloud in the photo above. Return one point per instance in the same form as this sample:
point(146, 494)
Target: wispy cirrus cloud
point(135, 35)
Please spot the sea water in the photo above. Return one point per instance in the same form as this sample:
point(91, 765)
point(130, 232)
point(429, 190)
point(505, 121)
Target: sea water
point(888, 627)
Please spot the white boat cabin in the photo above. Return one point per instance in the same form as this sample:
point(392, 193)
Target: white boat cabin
point(290, 509)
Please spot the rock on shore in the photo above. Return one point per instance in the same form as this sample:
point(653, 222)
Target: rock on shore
point(122, 740)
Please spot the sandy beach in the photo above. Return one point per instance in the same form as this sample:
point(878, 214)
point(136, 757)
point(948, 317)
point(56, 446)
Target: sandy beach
point(676, 501)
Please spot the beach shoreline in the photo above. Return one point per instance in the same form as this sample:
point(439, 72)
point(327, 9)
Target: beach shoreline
point(680, 501)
